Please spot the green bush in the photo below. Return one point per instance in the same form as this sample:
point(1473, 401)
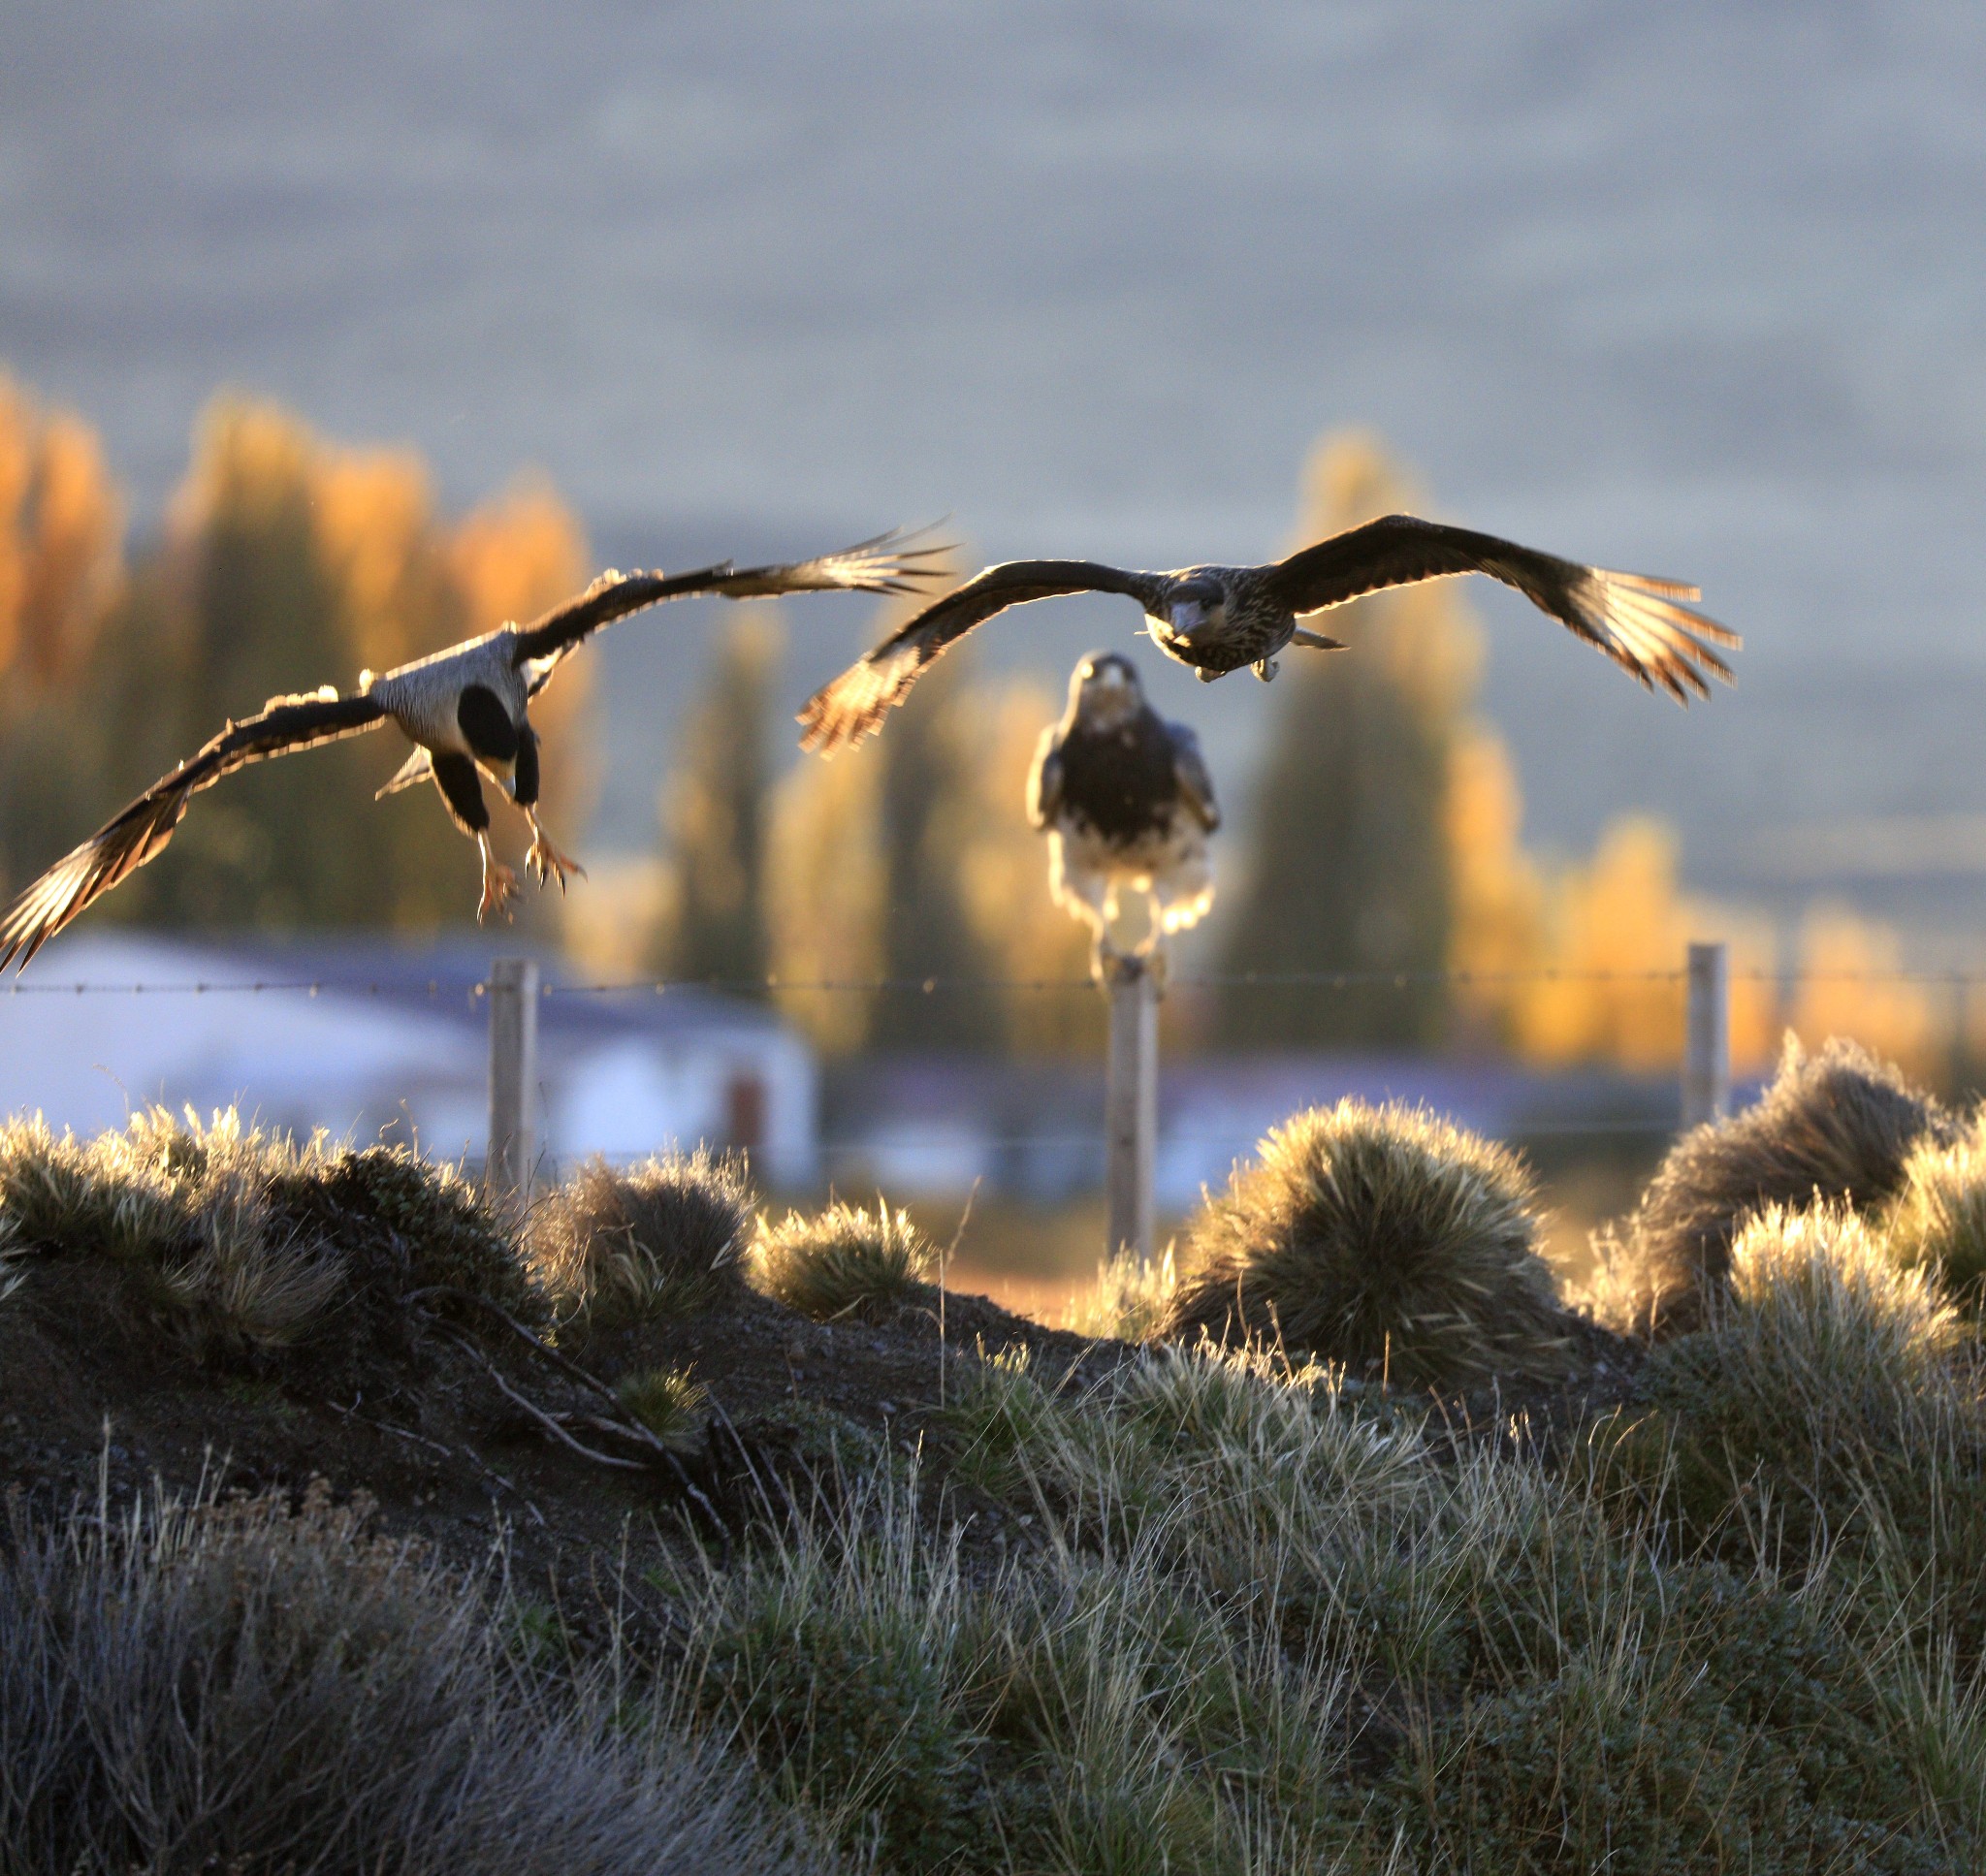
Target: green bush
point(663, 1238)
point(1838, 1125)
point(841, 1262)
point(1381, 1237)
point(1237, 1620)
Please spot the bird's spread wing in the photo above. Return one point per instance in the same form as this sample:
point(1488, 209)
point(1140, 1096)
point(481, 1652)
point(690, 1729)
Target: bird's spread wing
point(120, 846)
point(1633, 619)
point(841, 714)
point(886, 563)
point(1196, 782)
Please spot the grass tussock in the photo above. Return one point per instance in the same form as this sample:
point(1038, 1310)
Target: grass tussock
point(1834, 1401)
point(663, 1238)
point(1938, 1219)
point(841, 1262)
point(669, 1402)
point(248, 1240)
point(1838, 1125)
point(1382, 1237)
point(1250, 1623)
point(1131, 1300)
point(224, 1686)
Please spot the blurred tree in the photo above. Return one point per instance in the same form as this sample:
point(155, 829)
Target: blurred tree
point(927, 805)
point(1026, 938)
point(869, 861)
point(714, 811)
point(1498, 918)
point(1350, 866)
point(61, 572)
point(286, 563)
point(826, 890)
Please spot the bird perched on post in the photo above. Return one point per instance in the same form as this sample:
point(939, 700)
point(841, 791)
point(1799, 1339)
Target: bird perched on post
point(1127, 803)
point(1219, 618)
point(465, 710)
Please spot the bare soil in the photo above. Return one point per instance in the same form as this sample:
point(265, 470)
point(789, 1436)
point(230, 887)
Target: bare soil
point(468, 1432)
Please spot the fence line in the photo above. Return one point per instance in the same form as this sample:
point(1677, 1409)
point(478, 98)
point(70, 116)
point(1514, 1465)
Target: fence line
point(434, 989)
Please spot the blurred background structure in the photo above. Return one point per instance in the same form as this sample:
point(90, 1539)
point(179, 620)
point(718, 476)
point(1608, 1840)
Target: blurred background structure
point(457, 304)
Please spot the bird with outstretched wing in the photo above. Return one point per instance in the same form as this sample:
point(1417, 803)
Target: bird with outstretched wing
point(1218, 619)
point(465, 712)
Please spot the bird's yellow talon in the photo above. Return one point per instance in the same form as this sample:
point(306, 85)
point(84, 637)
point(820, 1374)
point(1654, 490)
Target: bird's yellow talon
point(546, 863)
point(499, 888)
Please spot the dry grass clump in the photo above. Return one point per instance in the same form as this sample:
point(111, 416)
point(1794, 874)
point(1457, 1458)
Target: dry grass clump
point(1938, 1219)
point(1132, 1299)
point(186, 1208)
point(662, 1238)
point(1831, 1391)
point(202, 1686)
point(669, 1403)
point(841, 1262)
point(1382, 1237)
point(244, 1239)
point(1837, 1124)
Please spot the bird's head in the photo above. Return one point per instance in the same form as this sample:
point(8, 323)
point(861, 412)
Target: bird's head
point(1104, 688)
point(1197, 608)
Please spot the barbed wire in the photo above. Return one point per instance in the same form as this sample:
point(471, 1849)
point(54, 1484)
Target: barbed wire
point(436, 988)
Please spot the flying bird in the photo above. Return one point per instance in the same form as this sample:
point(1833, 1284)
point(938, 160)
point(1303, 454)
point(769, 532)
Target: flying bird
point(465, 710)
point(1127, 803)
point(1219, 618)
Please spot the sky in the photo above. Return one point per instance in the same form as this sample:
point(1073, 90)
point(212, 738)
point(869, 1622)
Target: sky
point(1692, 288)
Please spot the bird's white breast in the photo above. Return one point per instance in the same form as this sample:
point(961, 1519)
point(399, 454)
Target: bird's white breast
point(421, 697)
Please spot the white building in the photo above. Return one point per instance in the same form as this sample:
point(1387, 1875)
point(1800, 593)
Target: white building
point(368, 1040)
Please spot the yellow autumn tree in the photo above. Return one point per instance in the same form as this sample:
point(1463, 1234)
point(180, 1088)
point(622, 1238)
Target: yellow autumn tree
point(288, 562)
point(61, 573)
point(1027, 938)
point(827, 888)
point(1850, 985)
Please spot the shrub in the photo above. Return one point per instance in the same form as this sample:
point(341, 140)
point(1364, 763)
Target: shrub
point(844, 1260)
point(1383, 1238)
point(668, 1402)
point(662, 1238)
point(406, 1222)
point(1837, 1125)
point(1938, 1219)
point(224, 1686)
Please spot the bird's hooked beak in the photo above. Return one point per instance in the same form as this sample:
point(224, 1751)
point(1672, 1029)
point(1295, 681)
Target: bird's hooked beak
point(1109, 688)
point(1188, 616)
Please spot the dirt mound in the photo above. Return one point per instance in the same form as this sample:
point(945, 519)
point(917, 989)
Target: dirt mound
point(461, 1419)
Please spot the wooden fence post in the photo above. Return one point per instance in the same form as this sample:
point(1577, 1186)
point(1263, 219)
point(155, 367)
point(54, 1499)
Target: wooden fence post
point(1706, 1036)
point(513, 1079)
point(1131, 1104)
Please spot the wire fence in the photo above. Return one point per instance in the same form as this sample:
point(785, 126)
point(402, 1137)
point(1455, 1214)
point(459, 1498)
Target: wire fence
point(472, 994)
point(1265, 980)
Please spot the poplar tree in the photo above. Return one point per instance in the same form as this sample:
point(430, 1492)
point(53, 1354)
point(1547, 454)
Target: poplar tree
point(1350, 868)
point(715, 812)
